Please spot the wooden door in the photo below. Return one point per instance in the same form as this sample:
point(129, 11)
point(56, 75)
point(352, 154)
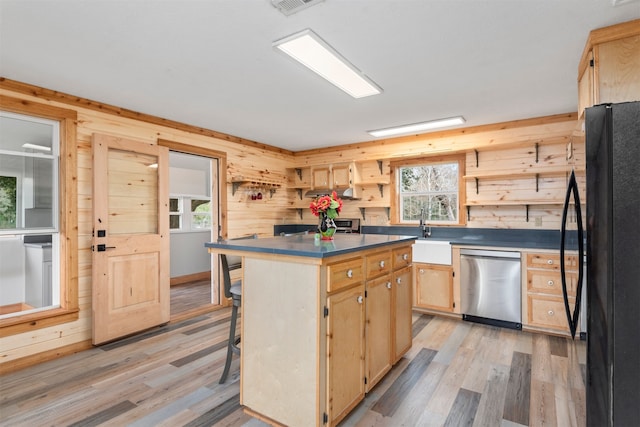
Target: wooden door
point(378, 330)
point(402, 304)
point(131, 237)
point(345, 347)
point(434, 287)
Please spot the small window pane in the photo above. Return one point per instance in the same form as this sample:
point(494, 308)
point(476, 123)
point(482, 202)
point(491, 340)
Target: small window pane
point(429, 191)
point(174, 222)
point(174, 205)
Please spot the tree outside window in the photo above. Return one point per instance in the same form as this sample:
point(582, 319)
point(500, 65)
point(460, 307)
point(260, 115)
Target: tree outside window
point(429, 191)
point(8, 202)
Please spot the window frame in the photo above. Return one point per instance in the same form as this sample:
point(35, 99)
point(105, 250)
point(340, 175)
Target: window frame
point(396, 214)
point(67, 221)
point(187, 215)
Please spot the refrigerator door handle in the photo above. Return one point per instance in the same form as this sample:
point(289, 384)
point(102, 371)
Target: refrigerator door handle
point(572, 315)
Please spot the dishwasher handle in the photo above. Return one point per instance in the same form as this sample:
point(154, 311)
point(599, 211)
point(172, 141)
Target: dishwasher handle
point(490, 254)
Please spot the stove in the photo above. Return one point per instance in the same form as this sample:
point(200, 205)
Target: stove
point(347, 225)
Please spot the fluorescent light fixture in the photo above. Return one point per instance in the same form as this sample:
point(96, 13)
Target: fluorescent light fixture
point(310, 50)
point(36, 147)
point(418, 127)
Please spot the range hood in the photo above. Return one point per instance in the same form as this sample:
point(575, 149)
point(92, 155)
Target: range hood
point(344, 193)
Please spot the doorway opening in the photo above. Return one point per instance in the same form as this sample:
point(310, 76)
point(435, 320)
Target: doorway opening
point(193, 219)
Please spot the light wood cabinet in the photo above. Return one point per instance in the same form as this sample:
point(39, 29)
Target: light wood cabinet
point(434, 287)
point(378, 329)
point(401, 299)
point(544, 304)
point(368, 310)
point(342, 176)
point(321, 177)
point(345, 348)
point(608, 69)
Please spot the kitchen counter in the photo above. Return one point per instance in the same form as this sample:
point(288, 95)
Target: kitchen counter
point(307, 246)
point(303, 321)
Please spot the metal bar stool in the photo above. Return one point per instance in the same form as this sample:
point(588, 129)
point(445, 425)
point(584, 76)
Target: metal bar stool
point(233, 291)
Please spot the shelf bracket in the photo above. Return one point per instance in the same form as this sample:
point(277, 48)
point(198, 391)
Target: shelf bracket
point(234, 187)
point(537, 151)
point(300, 212)
point(388, 213)
point(381, 188)
point(477, 160)
point(272, 191)
point(537, 182)
point(362, 210)
point(468, 213)
point(477, 186)
point(299, 173)
point(299, 190)
point(527, 210)
point(379, 166)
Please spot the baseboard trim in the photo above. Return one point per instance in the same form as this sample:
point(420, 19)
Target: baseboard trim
point(45, 356)
point(179, 280)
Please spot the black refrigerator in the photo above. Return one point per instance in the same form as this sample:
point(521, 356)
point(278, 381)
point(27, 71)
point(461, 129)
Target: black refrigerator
point(613, 264)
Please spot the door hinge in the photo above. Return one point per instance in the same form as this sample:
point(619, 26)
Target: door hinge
point(365, 294)
point(365, 380)
point(325, 418)
point(591, 63)
point(453, 274)
point(326, 311)
point(454, 304)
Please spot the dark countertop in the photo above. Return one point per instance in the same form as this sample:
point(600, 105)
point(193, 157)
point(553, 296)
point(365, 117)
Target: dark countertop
point(464, 236)
point(307, 246)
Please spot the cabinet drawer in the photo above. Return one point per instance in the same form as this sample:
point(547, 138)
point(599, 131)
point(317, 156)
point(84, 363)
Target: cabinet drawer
point(378, 264)
point(552, 261)
point(401, 257)
point(344, 274)
point(547, 312)
point(550, 282)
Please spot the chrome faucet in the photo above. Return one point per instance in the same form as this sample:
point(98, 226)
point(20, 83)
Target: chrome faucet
point(426, 231)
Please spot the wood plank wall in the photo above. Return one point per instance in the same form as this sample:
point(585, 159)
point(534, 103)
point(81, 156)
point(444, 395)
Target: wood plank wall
point(250, 161)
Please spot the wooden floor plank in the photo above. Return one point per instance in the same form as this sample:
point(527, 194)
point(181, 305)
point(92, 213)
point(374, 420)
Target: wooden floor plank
point(464, 409)
point(516, 405)
point(169, 375)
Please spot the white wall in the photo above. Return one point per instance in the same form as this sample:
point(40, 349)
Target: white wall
point(188, 254)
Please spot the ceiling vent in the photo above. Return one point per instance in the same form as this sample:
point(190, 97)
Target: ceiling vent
point(289, 7)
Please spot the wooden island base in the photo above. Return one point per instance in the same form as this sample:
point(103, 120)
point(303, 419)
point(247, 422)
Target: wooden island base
point(322, 322)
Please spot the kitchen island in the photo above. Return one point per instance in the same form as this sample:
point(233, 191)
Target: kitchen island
point(322, 322)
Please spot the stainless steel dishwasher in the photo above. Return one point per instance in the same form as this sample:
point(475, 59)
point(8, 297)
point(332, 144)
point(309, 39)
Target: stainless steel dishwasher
point(490, 287)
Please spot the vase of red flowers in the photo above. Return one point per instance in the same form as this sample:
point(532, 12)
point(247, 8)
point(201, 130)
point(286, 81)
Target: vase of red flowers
point(326, 208)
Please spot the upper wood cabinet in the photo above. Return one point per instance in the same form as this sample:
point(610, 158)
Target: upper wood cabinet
point(321, 177)
point(609, 70)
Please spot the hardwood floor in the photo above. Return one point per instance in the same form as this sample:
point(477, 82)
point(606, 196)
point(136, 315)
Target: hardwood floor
point(457, 373)
point(189, 296)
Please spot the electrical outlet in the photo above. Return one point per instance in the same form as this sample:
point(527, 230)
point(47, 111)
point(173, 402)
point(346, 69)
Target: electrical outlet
point(538, 221)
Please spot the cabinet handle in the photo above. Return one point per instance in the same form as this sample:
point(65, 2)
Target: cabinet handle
point(349, 273)
point(405, 257)
point(550, 283)
point(388, 285)
point(549, 261)
point(399, 280)
point(382, 264)
point(550, 312)
point(359, 299)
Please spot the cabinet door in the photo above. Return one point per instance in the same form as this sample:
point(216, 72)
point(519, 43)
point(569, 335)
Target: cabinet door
point(434, 287)
point(401, 311)
point(342, 176)
point(321, 178)
point(585, 88)
point(345, 351)
point(618, 62)
point(378, 332)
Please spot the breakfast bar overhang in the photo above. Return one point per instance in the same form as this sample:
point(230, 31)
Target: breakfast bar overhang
point(322, 322)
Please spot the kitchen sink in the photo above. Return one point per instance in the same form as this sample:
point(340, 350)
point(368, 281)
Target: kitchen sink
point(432, 251)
